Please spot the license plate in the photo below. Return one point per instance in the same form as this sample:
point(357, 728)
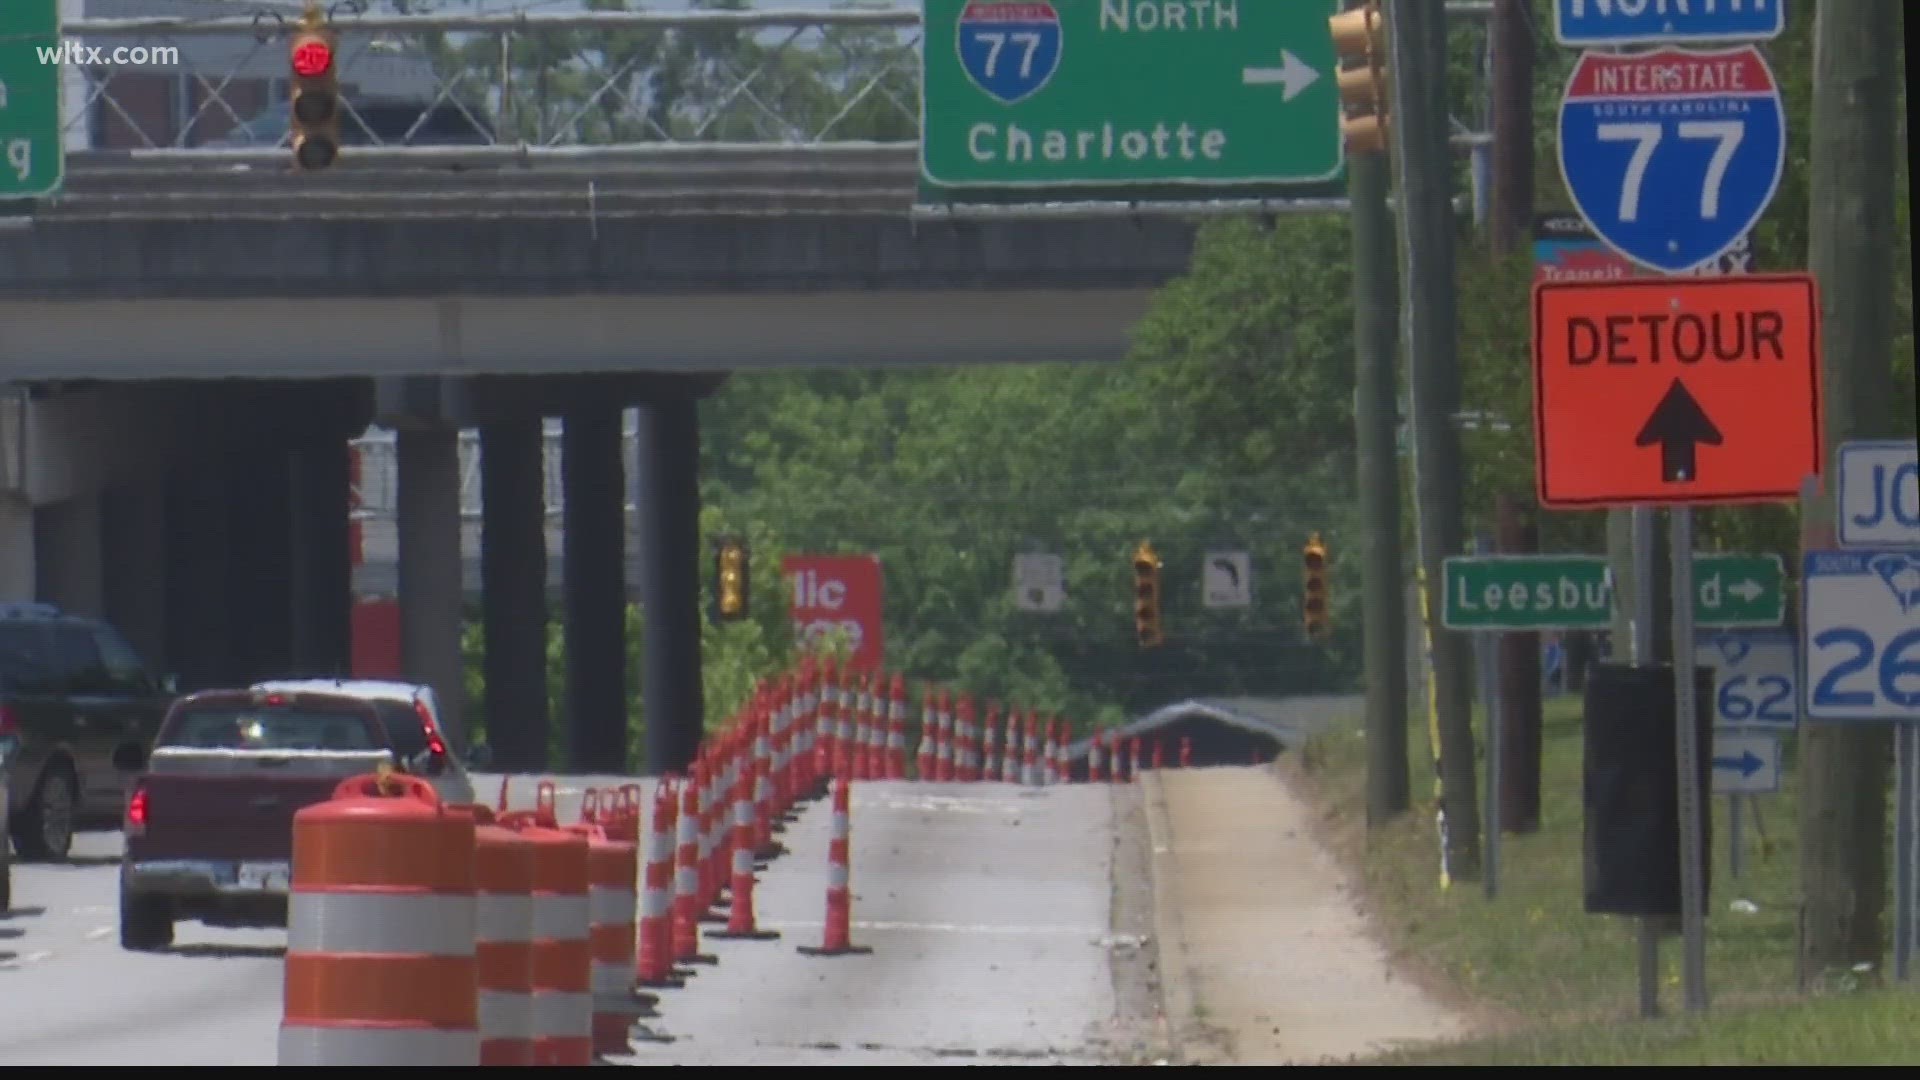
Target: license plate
point(262, 876)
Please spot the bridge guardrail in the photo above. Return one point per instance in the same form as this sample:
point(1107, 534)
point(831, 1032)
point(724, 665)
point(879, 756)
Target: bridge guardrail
point(515, 87)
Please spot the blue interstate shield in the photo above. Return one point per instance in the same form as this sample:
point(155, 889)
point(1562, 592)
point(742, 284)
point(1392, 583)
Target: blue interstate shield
point(1672, 156)
point(1009, 49)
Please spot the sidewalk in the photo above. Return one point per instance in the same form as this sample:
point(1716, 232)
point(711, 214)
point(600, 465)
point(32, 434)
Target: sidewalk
point(1265, 959)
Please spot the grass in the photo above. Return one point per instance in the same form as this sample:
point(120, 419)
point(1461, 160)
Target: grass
point(1549, 983)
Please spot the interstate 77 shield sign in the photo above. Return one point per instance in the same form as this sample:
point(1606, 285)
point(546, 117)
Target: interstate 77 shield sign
point(1010, 49)
point(1672, 155)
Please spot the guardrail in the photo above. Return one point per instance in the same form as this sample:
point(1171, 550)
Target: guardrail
point(519, 88)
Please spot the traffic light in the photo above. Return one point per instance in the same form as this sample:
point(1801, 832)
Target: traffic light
point(1359, 40)
point(730, 572)
point(1146, 596)
point(315, 105)
point(1313, 602)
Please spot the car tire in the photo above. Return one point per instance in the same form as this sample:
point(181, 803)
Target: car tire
point(146, 922)
point(54, 805)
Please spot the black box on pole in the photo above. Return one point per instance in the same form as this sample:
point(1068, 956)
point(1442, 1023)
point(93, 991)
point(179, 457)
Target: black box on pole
point(1631, 788)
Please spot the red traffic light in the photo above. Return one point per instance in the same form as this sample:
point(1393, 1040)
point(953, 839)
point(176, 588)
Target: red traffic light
point(312, 57)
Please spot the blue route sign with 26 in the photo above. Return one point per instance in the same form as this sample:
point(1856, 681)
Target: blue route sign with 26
point(1672, 156)
point(1861, 626)
point(1651, 22)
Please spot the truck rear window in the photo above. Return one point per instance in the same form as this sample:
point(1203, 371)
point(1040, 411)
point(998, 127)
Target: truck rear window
point(249, 727)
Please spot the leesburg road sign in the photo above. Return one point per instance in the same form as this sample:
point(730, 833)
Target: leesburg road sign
point(1676, 391)
point(1651, 22)
point(1106, 93)
point(1860, 617)
point(1571, 592)
point(1526, 592)
point(1672, 155)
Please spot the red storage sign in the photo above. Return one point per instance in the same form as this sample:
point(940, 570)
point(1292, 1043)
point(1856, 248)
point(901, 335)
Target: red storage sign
point(838, 592)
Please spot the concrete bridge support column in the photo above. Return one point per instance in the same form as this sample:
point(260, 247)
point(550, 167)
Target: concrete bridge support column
point(196, 545)
point(669, 500)
point(259, 560)
point(322, 642)
point(594, 585)
point(67, 554)
point(18, 581)
point(133, 530)
point(513, 576)
point(427, 517)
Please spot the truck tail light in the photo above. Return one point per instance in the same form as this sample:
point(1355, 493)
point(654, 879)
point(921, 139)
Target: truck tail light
point(9, 723)
point(137, 811)
point(435, 744)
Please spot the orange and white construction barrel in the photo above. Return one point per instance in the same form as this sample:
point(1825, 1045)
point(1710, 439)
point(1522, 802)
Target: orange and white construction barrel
point(612, 904)
point(380, 930)
point(503, 871)
point(562, 945)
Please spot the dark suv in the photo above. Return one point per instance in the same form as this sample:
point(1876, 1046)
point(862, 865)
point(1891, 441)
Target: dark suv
point(72, 692)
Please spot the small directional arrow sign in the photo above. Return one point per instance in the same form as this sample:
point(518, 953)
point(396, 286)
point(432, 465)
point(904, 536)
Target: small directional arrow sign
point(1745, 761)
point(1292, 75)
point(1677, 426)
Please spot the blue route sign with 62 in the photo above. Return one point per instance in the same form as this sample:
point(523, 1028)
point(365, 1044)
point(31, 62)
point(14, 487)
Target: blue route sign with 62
point(1673, 155)
point(1754, 674)
point(1860, 614)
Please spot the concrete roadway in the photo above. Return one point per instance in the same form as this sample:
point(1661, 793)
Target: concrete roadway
point(989, 909)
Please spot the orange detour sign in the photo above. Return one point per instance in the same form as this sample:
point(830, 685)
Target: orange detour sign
point(1676, 391)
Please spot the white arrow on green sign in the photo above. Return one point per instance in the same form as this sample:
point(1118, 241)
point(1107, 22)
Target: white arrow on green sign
point(1572, 592)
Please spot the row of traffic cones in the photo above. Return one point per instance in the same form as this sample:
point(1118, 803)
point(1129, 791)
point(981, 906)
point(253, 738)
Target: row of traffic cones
point(810, 731)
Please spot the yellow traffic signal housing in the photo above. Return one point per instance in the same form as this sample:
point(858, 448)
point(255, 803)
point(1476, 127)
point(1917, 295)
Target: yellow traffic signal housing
point(1359, 41)
point(1146, 597)
point(731, 584)
point(314, 108)
point(1313, 602)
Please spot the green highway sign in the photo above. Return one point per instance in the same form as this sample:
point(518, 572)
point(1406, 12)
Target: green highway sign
point(1526, 592)
point(1573, 592)
point(32, 152)
point(1739, 590)
point(1106, 93)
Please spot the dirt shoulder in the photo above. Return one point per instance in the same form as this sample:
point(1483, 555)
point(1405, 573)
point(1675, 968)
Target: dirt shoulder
point(1264, 955)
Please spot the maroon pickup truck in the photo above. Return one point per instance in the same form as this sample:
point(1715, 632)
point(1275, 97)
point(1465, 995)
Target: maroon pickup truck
point(209, 824)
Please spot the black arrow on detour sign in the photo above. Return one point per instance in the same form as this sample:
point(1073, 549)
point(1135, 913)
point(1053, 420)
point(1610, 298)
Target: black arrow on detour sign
point(1678, 425)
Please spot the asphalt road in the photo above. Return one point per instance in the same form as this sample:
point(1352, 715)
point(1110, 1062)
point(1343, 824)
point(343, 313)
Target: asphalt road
point(987, 907)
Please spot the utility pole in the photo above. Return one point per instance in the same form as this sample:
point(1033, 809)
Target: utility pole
point(1851, 247)
point(1383, 582)
point(1423, 169)
point(1516, 529)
